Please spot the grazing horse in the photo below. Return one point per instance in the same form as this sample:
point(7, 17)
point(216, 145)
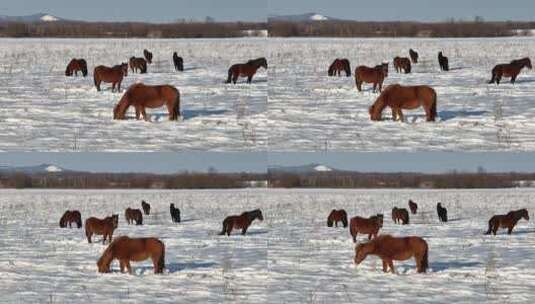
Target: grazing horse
point(337, 216)
point(178, 61)
point(146, 207)
point(443, 62)
point(389, 248)
point(247, 69)
point(114, 75)
point(413, 206)
point(69, 217)
point(414, 56)
point(175, 213)
point(339, 65)
point(400, 215)
point(132, 215)
point(148, 56)
point(142, 96)
point(103, 227)
point(127, 249)
point(402, 64)
point(375, 75)
point(369, 226)
point(508, 221)
point(76, 65)
point(511, 69)
point(399, 97)
point(442, 213)
point(138, 64)
point(242, 221)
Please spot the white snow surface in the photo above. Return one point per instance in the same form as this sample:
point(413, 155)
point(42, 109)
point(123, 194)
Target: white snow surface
point(309, 111)
point(290, 257)
point(43, 110)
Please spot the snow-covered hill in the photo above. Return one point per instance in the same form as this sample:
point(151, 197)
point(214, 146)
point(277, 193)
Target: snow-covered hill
point(301, 18)
point(41, 17)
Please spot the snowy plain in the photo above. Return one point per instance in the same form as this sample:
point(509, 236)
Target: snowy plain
point(290, 257)
point(42, 110)
point(310, 111)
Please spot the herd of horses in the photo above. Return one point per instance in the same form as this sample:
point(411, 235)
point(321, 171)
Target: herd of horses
point(389, 248)
point(142, 96)
point(398, 97)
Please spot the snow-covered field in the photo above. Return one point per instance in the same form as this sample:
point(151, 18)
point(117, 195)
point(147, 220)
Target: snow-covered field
point(291, 257)
point(310, 111)
point(42, 110)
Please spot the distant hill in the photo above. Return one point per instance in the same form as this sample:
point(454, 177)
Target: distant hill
point(310, 168)
point(41, 17)
point(39, 169)
point(301, 18)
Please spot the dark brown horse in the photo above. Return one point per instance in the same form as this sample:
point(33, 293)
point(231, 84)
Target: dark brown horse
point(442, 213)
point(175, 213)
point(137, 63)
point(113, 75)
point(132, 215)
point(400, 215)
point(146, 207)
point(127, 249)
point(511, 69)
point(369, 226)
point(338, 66)
point(337, 216)
point(443, 62)
point(148, 56)
point(103, 227)
point(399, 97)
point(178, 62)
point(69, 217)
point(508, 221)
point(76, 65)
point(413, 206)
point(247, 69)
point(402, 64)
point(414, 55)
point(242, 221)
point(375, 75)
point(142, 96)
point(389, 249)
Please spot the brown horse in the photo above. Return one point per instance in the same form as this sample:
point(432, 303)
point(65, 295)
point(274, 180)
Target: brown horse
point(414, 56)
point(142, 96)
point(103, 227)
point(389, 248)
point(369, 226)
point(76, 65)
point(339, 65)
point(247, 69)
point(511, 69)
point(146, 207)
point(375, 75)
point(113, 75)
point(69, 217)
point(508, 221)
point(148, 56)
point(337, 216)
point(402, 64)
point(137, 63)
point(132, 215)
point(413, 206)
point(242, 221)
point(399, 97)
point(127, 249)
point(400, 215)
point(443, 62)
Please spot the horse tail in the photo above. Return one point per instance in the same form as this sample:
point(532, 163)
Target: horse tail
point(434, 106)
point(225, 223)
point(161, 260)
point(425, 259)
point(177, 105)
point(490, 227)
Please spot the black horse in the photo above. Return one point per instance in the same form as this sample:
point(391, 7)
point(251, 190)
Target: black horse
point(175, 212)
point(242, 221)
point(443, 62)
point(414, 55)
point(442, 213)
point(178, 61)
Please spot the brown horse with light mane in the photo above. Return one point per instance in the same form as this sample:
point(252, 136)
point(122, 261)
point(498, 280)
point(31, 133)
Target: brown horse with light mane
point(337, 216)
point(511, 69)
point(242, 221)
point(402, 64)
point(69, 217)
point(400, 215)
point(76, 65)
point(413, 207)
point(369, 226)
point(137, 63)
point(508, 221)
point(389, 248)
point(375, 75)
point(399, 97)
point(113, 75)
point(148, 56)
point(247, 69)
point(339, 65)
point(103, 227)
point(132, 215)
point(142, 96)
point(127, 249)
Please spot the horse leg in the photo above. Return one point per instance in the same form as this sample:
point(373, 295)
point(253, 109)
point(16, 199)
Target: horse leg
point(234, 78)
point(88, 235)
point(122, 265)
point(391, 264)
point(400, 115)
point(244, 230)
point(138, 112)
point(355, 237)
point(510, 229)
point(249, 79)
point(385, 266)
point(513, 79)
point(112, 87)
point(127, 263)
point(144, 114)
point(375, 87)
